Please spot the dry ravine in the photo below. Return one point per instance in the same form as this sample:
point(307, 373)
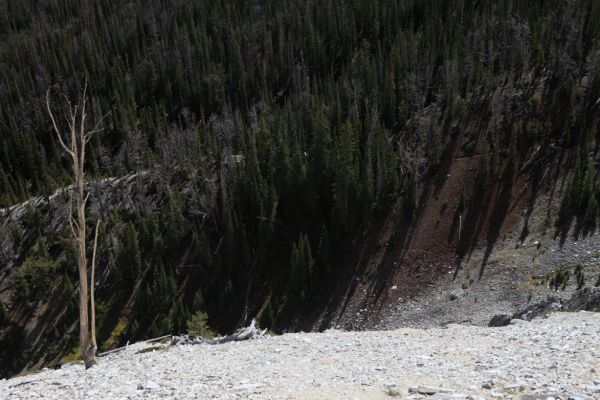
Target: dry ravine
point(556, 357)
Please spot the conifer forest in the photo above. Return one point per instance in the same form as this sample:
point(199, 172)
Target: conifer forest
point(248, 147)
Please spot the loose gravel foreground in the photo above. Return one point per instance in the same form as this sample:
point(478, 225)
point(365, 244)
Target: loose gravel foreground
point(557, 357)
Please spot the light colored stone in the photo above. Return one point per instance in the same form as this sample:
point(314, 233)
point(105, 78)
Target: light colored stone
point(129, 390)
point(391, 389)
point(517, 321)
point(430, 390)
point(151, 385)
point(513, 361)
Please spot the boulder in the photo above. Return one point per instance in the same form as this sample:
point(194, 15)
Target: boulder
point(538, 309)
point(499, 320)
point(587, 299)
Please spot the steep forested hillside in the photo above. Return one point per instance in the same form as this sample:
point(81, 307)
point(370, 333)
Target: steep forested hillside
point(260, 139)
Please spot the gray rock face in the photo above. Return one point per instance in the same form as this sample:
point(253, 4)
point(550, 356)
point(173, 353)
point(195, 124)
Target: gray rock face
point(538, 309)
point(587, 299)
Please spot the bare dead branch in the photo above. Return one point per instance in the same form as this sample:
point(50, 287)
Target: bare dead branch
point(71, 122)
point(82, 128)
point(72, 222)
point(88, 136)
point(62, 143)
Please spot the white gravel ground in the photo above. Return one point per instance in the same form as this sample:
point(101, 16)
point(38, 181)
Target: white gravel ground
point(557, 357)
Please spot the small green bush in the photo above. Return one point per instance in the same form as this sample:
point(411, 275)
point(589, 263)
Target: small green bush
point(4, 317)
point(33, 279)
point(533, 104)
point(197, 325)
point(559, 279)
point(470, 141)
point(268, 317)
point(579, 276)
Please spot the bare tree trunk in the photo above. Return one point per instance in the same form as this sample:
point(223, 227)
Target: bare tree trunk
point(79, 138)
point(87, 353)
point(92, 284)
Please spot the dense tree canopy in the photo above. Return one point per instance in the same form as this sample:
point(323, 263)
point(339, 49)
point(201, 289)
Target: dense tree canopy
point(280, 128)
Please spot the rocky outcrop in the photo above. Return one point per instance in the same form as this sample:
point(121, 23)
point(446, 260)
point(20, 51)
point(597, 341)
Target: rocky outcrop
point(539, 309)
point(586, 299)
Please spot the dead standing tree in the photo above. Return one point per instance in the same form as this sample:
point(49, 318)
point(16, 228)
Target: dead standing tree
point(77, 137)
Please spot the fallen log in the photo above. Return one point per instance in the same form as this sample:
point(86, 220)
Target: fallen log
point(119, 349)
point(250, 332)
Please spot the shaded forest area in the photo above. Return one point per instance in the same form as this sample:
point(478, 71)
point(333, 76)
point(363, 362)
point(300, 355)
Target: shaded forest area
point(260, 138)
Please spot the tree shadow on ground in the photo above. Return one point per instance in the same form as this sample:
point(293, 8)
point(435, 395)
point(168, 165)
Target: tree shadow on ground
point(472, 224)
point(397, 242)
point(476, 220)
point(347, 279)
point(397, 251)
point(494, 226)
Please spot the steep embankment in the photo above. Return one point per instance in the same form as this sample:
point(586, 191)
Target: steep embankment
point(427, 284)
point(314, 164)
point(473, 247)
point(38, 287)
point(459, 237)
point(555, 357)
